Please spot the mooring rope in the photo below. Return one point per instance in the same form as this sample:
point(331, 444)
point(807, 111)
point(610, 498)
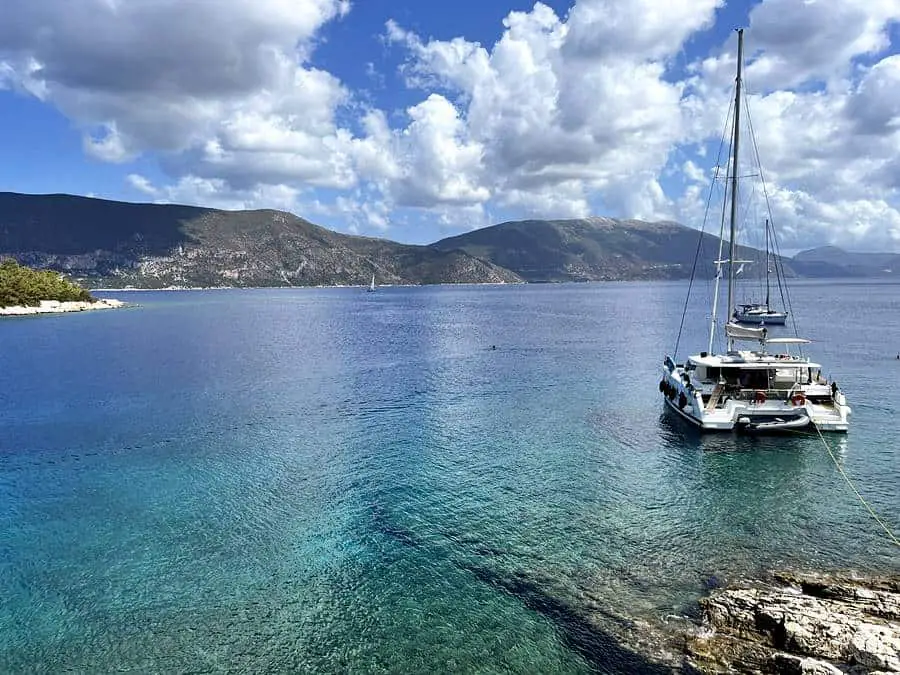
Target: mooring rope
point(862, 499)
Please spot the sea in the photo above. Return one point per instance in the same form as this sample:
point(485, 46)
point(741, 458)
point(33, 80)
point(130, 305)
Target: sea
point(417, 480)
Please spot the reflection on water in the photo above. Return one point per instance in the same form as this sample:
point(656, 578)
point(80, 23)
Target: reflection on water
point(330, 480)
point(677, 434)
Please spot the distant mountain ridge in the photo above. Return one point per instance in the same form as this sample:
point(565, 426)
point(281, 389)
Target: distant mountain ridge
point(116, 244)
point(835, 262)
point(591, 249)
point(119, 244)
point(601, 249)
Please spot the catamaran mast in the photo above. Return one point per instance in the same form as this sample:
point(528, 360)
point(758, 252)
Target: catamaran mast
point(734, 179)
point(767, 264)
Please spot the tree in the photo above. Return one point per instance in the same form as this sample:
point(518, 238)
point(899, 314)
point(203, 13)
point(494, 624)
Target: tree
point(26, 287)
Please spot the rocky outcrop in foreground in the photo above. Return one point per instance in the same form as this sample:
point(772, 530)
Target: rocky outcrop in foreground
point(57, 307)
point(803, 625)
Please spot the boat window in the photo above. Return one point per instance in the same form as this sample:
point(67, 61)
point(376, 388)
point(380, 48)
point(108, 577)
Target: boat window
point(731, 375)
point(753, 379)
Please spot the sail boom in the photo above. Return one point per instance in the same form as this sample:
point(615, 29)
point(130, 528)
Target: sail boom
point(788, 341)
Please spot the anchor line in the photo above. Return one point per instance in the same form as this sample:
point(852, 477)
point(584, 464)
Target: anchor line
point(849, 482)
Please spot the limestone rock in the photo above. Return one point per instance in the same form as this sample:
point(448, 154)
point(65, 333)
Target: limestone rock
point(876, 647)
point(789, 664)
point(802, 624)
point(57, 307)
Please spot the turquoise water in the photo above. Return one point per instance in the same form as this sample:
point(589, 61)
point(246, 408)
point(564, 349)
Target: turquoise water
point(327, 480)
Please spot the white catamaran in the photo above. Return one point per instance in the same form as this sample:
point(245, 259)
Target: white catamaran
point(750, 389)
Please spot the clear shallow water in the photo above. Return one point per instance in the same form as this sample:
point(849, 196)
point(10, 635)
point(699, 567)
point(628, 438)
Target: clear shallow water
point(329, 480)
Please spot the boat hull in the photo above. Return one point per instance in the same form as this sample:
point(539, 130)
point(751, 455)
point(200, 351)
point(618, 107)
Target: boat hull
point(745, 416)
point(773, 319)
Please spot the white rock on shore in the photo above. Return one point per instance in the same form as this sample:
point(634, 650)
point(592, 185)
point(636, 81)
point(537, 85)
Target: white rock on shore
point(804, 624)
point(57, 307)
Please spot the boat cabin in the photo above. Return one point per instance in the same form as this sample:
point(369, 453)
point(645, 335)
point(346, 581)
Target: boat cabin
point(749, 375)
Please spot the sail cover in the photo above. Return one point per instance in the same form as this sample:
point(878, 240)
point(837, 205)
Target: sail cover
point(788, 341)
point(737, 332)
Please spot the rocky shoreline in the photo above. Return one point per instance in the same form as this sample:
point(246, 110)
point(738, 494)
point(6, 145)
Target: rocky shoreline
point(799, 624)
point(57, 307)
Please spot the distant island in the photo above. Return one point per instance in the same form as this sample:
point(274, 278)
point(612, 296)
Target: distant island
point(27, 291)
point(109, 244)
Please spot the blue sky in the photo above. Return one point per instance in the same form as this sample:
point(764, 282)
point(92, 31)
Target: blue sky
point(415, 120)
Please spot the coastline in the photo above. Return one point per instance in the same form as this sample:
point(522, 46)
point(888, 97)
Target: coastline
point(804, 623)
point(57, 307)
point(130, 289)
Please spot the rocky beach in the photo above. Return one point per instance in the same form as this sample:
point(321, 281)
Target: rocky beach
point(800, 624)
point(57, 307)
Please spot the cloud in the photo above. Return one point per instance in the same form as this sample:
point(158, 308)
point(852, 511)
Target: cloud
point(790, 43)
point(874, 106)
point(824, 102)
point(561, 116)
point(214, 193)
point(442, 166)
point(636, 30)
point(816, 39)
point(566, 109)
point(155, 75)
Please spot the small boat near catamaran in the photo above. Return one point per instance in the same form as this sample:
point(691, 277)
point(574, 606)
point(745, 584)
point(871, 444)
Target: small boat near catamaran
point(768, 386)
point(763, 313)
point(759, 313)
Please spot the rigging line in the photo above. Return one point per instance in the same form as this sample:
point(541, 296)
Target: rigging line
point(745, 205)
point(725, 194)
point(785, 292)
point(780, 279)
point(700, 238)
point(844, 475)
point(729, 129)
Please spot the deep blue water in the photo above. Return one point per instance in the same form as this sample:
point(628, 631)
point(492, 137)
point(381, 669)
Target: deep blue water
point(328, 480)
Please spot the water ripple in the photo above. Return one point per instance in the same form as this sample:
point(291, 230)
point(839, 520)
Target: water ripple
point(321, 480)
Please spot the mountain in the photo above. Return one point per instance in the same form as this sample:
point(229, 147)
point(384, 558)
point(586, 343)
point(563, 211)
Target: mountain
point(115, 244)
point(592, 249)
point(831, 261)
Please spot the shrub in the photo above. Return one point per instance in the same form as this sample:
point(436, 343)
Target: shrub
point(23, 286)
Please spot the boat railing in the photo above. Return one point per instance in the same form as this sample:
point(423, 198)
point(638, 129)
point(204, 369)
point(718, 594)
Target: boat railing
point(744, 394)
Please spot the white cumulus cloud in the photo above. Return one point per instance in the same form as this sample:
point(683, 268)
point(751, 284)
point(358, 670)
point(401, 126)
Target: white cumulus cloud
point(590, 113)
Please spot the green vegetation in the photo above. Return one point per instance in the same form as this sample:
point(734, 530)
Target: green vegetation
point(24, 287)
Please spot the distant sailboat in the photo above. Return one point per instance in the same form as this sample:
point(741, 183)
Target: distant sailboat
point(371, 288)
point(761, 312)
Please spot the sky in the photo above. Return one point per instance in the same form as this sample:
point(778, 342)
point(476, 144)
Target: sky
point(417, 120)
